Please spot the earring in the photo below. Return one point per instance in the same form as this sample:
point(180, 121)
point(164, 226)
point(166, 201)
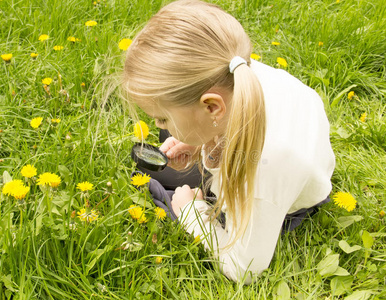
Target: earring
point(215, 124)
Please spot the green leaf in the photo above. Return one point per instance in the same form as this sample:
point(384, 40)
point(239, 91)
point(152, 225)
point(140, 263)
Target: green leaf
point(367, 239)
point(7, 280)
point(359, 295)
point(341, 94)
point(65, 173)
point(344, 222)
point(347, 248)
point(282, 291)
point(6, 177)
point(341, 285)
point(341, 272)
point(328, 265)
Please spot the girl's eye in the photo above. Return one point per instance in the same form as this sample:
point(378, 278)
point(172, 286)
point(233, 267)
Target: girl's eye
point(160, 121)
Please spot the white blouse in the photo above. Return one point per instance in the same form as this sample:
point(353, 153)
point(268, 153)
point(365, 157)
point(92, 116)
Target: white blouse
point(294, 172)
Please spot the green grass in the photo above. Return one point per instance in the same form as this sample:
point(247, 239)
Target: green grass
point(43, 258)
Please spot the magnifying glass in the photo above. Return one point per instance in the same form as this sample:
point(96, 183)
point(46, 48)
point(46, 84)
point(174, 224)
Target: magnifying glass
point(149, 157)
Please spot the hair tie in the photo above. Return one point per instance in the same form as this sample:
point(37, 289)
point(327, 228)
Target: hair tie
point(235, 62)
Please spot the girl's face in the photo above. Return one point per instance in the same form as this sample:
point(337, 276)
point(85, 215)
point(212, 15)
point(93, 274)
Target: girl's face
point(188, 124)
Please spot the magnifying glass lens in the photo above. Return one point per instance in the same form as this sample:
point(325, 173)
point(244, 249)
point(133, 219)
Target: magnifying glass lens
point(149, 157)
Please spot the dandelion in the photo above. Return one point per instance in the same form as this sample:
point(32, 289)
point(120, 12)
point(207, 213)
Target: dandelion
point(73, 39)
point(255, 56)
point(83, 85)
point(158, 260)
point(382, 213)
point(124, 44)
point(140, 179)
point(47, 81)
point(350, 95)
point(58, 48)
point(363, 117)
point(56, 121)
point(16, 189)
point(160, 213)
point(28, 171)
point(85, 186)
point(43, 37)
point(21, 192)
point(197, 239)
point(34, 55)
point(137, 213)
point(88, 215)
point(275, 43)
point(345, 200)
point(10, 186)
point(320, 44)
point(7, 57)
point(141, 130)
point(49, 179)
point(36, 122)
point(90, 23)
point(282, 62)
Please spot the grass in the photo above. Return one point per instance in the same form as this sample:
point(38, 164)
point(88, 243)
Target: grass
point(44, 257)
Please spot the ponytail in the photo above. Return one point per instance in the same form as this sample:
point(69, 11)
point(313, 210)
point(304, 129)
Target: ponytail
point(244, 143)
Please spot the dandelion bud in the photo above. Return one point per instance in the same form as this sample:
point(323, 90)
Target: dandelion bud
point(154, 239)
point(73, 214)
point(158, 260)
point(382, 213)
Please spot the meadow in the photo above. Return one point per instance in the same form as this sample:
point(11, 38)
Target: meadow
point(69, 232)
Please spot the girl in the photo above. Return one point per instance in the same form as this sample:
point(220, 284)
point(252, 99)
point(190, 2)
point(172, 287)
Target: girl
point(260, 132)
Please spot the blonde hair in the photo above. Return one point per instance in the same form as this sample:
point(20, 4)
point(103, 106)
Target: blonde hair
point(182, 52)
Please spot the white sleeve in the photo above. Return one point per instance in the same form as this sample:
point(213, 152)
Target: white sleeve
point(248, 256)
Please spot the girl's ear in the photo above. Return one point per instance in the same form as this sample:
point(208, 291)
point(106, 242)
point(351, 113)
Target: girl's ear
point(213, 105)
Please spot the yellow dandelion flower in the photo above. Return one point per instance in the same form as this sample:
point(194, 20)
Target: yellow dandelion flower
point(58, 48)
point(275, 43)
point(124, 44)
point(141, 130)
point(34, 55)
point(43, 37)
point(135, 211)
point(140, 179)
point(12, 185)
point(320, 44)
point(382, 213)
point(282, 62)
point(197, 239)
point(255, 56)
point(142, 219)
point(73, 39)
point(85, 186)
point(47, 81)
point(160, 213)
point(158, 260)
point(350, 95)
point(90, 23)
point(57, 120)
point(363, 117)
point(88, 215)
point(7, 57)
point(83, 84)
point(345, 200)
point(28, 171)
point(36, 122)
point(20, 192)
point(49, 179)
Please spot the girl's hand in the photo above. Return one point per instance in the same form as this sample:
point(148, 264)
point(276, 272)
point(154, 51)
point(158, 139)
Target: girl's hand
point(178, 153)
point(183, 195)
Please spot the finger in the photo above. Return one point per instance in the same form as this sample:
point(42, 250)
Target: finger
point(168, 143)
point(180, 149)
